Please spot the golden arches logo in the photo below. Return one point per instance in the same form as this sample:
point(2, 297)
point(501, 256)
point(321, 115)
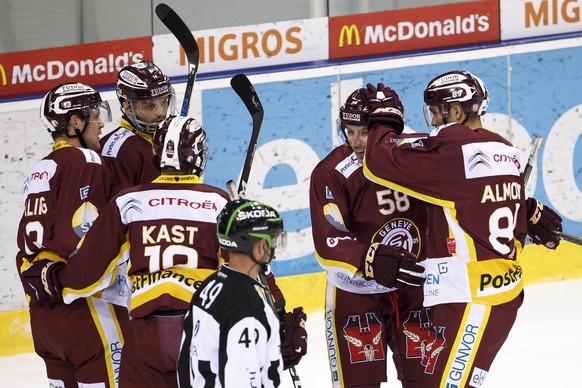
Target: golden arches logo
point(349, 32)
point(3, 72)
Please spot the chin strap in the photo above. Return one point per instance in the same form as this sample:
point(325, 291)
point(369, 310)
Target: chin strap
point(79, 135)
point(263, 265)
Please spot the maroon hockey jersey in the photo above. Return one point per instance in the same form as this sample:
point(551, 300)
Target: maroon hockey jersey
point(348, 212)
point(165, 230)
point(62, 197)
point(130, 152)
point(477, 223)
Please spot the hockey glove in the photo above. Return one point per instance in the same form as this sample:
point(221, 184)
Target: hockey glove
point(41, 281)
point(542, 221)
point(294, 344)
point(385, 107)
point(392, 267)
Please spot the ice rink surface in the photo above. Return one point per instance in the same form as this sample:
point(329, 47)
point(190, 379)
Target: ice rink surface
point(543, 350)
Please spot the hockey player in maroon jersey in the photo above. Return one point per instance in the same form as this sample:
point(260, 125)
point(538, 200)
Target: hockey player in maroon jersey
point(354, 221)
point(231, 334)
point(80, 343)
point(146, 98)
point(165, 230)
point(472, 182)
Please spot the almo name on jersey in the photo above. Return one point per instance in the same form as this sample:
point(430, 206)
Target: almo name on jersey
point(406, 30)
point(50, 70)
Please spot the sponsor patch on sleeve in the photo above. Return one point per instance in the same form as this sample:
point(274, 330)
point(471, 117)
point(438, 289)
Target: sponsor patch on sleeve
point(490, 159)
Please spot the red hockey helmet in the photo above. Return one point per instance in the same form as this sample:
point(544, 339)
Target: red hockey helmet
point(180, 144)
point(70, 98)
point(353, 112)
point(144, 81)
point(456, 86)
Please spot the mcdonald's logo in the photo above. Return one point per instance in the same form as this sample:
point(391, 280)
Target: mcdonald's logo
point(3, 73)
point(349, 31)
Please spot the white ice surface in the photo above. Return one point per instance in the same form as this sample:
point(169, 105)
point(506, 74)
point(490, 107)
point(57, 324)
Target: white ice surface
point(543, 350)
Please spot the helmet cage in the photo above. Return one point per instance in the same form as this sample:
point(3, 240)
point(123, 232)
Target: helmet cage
point(151, 127)
point(242, 222)
point(144, 81)
point(180, 144)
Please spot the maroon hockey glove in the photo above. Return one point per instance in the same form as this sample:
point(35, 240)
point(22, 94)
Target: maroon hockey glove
point(392, 267)
point(294, 344)
point(542, 221)
point(41, 281)
point(385, 107)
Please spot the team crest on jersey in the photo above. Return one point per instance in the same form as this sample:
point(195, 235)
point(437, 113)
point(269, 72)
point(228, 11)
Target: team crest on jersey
point(364, 339)
point(423, 339)
point(400, 232)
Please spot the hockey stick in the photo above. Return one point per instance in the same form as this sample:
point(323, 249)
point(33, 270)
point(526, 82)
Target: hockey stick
point(568, 237)
point(527, 172)
point(245, 90)
point(177, 27)
point(532, 158)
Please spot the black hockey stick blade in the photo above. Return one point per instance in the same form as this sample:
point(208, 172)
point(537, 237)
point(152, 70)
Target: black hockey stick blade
point(245, 90)
point(179, 29)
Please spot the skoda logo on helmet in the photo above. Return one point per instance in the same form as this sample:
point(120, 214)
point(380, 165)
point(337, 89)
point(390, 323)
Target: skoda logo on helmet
point(256, 213)
point(227, 243)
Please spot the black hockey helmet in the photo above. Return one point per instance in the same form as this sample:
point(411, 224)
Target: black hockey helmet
point(180, 144)
point(456, 86)
point(140, 82)
point(69, 98)
point(241, 222)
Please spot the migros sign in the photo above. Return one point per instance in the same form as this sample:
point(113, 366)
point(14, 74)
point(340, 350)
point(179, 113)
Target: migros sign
point(520, 19)
point(411, 29)
point(248, 46)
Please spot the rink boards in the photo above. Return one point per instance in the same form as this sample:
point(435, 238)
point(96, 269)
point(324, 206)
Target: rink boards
point(534, 89)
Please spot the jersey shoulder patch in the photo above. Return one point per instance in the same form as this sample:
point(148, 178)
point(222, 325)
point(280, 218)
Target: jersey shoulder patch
point(348, 165)
point(490, 159)
point(91, 156)
point(114, 142)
